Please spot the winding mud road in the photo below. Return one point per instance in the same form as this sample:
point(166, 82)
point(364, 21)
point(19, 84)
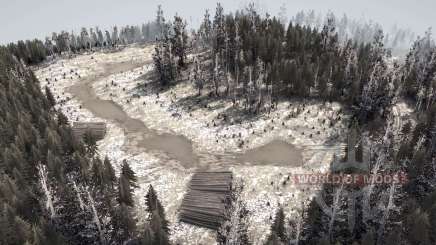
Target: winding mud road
point(174, 146)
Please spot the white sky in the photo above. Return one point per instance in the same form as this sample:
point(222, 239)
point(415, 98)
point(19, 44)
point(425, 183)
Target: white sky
point(26, 19)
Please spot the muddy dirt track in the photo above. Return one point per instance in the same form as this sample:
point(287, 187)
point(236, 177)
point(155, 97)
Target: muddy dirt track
point(174, 146)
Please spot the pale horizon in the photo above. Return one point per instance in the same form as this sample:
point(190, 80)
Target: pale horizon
point(26, 19)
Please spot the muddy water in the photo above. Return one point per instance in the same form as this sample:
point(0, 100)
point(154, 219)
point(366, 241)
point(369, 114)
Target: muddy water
point(174, 146)
point(276, 151)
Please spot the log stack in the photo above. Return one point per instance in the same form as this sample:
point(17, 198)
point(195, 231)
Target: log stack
point(206, 200)
point(97, 129)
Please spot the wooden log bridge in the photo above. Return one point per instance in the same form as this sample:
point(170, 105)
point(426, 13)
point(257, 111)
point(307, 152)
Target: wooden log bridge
point(97, 129)
point(206, 200)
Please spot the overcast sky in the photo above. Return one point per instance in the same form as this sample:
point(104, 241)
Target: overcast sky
point(26, 19)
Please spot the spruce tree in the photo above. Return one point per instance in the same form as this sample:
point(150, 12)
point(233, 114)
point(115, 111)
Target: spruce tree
point(109, 173)
point(278, 234)
point(126, 185)
point(50, 98)
point(124, 225)
point(158, 222)
point(206, 29)
point(179, 40)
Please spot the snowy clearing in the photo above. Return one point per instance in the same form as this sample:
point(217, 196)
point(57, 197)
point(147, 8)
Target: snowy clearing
point(307, 129)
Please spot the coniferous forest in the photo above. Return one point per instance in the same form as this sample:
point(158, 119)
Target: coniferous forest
point(57, 189)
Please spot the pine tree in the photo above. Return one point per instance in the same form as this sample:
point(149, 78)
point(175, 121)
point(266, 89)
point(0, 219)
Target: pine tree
point(62, 119)
point(126, 185)
point(158, 222)
point(129, 174)
point(75, 223)
point(152, 203)
point(179, 40)
point(147, 237)
point(50, 98)
point(163, 59)
point(124, 225)
point(160, 23)
point(278, 233)
point(219, 29)
point(109, 173)
point(13, 230)
point(115, 36)
point(197, 76)
point(206, 29)
point(97, 174)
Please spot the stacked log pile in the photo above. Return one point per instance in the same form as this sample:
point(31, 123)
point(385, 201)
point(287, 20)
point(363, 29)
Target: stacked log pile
point(97, 129)
point(206, 200)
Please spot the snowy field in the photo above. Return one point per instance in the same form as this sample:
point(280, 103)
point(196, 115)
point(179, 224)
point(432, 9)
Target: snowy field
point(266, 186)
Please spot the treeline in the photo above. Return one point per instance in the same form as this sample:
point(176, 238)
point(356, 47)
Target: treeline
point(405, 213)
point(55, 188)
point(33, 52)
point(362, 31)
point(418, 146)
point(256, 61)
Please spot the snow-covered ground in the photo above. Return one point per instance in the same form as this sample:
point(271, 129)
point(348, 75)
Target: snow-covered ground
point(265, 186)
point(161, 112)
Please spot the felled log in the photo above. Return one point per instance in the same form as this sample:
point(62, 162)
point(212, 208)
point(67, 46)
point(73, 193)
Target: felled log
point(205, 202)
